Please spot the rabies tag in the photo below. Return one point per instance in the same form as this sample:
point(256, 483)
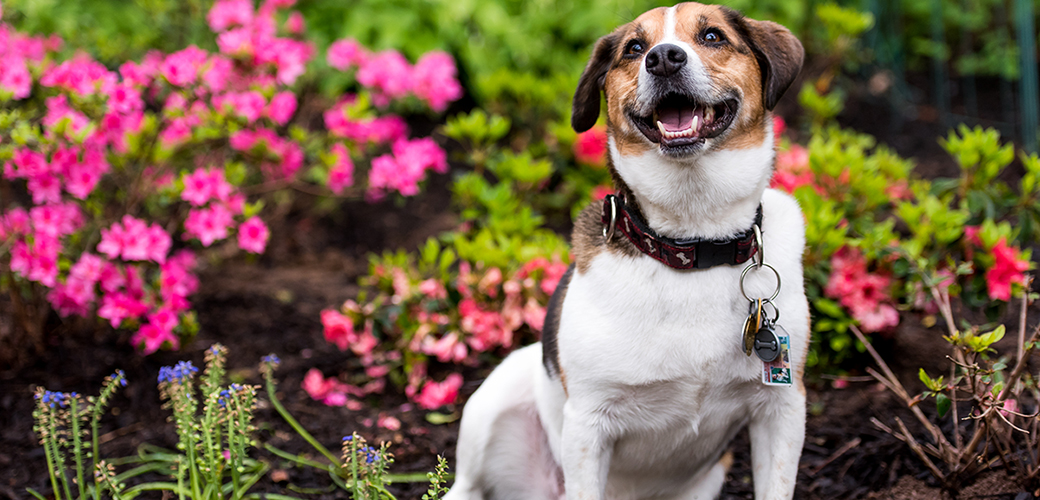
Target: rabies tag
point(778, 371)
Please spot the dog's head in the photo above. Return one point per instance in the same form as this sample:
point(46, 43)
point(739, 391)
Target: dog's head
point(686, 80)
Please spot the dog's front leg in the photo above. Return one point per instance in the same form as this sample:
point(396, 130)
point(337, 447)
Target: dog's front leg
point(586, 452)
point(777, 432)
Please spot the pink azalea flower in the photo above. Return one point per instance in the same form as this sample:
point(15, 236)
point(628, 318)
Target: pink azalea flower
point(346, 53)
point(865, 295)
point(446, 349)
point(389, 422)
point(111, 244)
point(203, 185)
point(434, 394)
point(135, 74)
point(295, 24)
point(338, 329)
point(124, 98)
point(433, 289)
point(792, 169)
point(227, 13)
point(181, 68)
point(165, 319)
point(111, 278)
point(434, 80)
point(253, 235)
point(208, 224)
point(329, 391)
point(1008, 267)
point(118, 306)
point(73, 297)
point(282, 107)
point(534, 314)
point(388, 73)
point(176, 133)
point(249, 105)
point(82, 178)
point(15, 77)
point(44, 188)
point(217, 73)
point(590, 147)
point(364, 343)
point(236, 42)
point(88, 268)
point(341, 174)
point(149, 338)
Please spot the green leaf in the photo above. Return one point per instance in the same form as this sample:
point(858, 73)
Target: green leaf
point(942, 404)
point(440, 418)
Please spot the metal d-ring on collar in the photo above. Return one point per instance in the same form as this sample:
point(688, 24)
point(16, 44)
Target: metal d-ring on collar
point(761, 262)
point(608, 230)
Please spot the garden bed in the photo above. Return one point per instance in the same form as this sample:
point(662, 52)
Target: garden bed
point(273, 306)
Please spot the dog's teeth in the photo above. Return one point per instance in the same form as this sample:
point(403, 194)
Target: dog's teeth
point(709, 115)
point(696, 124)
point(660, 126)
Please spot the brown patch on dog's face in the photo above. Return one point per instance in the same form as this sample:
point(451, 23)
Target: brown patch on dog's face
point(732, 71)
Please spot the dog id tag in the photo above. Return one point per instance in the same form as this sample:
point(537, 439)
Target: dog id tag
point(751, 325)
point(767, 345)
point(778, 371)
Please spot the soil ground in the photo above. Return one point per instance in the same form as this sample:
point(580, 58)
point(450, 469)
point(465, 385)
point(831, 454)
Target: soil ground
point(273, 305)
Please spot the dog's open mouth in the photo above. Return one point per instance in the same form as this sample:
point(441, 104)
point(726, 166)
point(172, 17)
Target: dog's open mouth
point(679, 121)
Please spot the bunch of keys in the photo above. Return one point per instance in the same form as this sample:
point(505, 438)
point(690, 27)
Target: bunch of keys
point(762, 335)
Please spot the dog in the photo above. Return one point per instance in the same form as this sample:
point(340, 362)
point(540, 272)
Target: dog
point(643, 375)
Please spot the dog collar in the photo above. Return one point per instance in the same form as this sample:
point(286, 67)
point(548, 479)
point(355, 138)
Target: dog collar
point(693, 253)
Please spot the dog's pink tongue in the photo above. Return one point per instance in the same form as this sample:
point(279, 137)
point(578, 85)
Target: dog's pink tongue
point(676, 119)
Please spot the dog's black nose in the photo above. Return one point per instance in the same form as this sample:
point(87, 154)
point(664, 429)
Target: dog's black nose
point(665, 59)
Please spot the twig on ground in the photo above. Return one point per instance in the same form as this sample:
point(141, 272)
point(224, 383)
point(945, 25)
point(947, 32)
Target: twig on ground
point(836, 455)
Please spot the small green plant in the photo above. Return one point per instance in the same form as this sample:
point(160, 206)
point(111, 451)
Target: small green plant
point(438, 480)
point(996, 427)
point(67, 423)
point(213, 440)
point(361, 470)
point(214, 425)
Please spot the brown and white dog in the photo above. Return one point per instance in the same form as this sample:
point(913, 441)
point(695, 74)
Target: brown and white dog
point(641, 379)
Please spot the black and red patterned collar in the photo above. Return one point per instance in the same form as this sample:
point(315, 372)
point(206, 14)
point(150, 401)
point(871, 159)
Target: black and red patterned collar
point(694, 253)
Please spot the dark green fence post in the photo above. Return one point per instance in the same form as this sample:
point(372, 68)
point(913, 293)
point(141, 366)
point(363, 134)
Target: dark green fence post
point(1030, 104)
point(942, 97)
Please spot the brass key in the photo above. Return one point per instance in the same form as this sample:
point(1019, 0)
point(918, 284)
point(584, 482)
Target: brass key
point(751, 325)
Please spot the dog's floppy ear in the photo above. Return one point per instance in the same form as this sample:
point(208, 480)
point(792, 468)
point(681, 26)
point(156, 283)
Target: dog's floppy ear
point(779, 54)
point(585, 110)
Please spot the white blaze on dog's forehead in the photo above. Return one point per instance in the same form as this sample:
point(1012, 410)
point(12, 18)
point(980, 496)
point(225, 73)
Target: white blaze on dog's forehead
point(669, 24)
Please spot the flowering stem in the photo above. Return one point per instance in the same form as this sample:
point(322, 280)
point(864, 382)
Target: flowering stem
point(77, 445)
point(51, 466)
point(58, 462)
point(233, 452)
point(270, 388)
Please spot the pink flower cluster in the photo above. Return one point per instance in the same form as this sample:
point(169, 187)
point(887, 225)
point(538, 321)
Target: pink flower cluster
point(91, 116)
point(391, 77)
point(279, 158)
point(406, 168)
point(332, 392)
point(488, 313)
point(1009, 265)
point(792, 169)
point(213, 222)
point(378, 130)
point(19, 52)
point(590, 147)
point(864, 294)
point(251, 36)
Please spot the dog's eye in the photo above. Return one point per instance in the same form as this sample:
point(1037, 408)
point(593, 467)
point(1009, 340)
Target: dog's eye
point(713, 35)
point(634, 49)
